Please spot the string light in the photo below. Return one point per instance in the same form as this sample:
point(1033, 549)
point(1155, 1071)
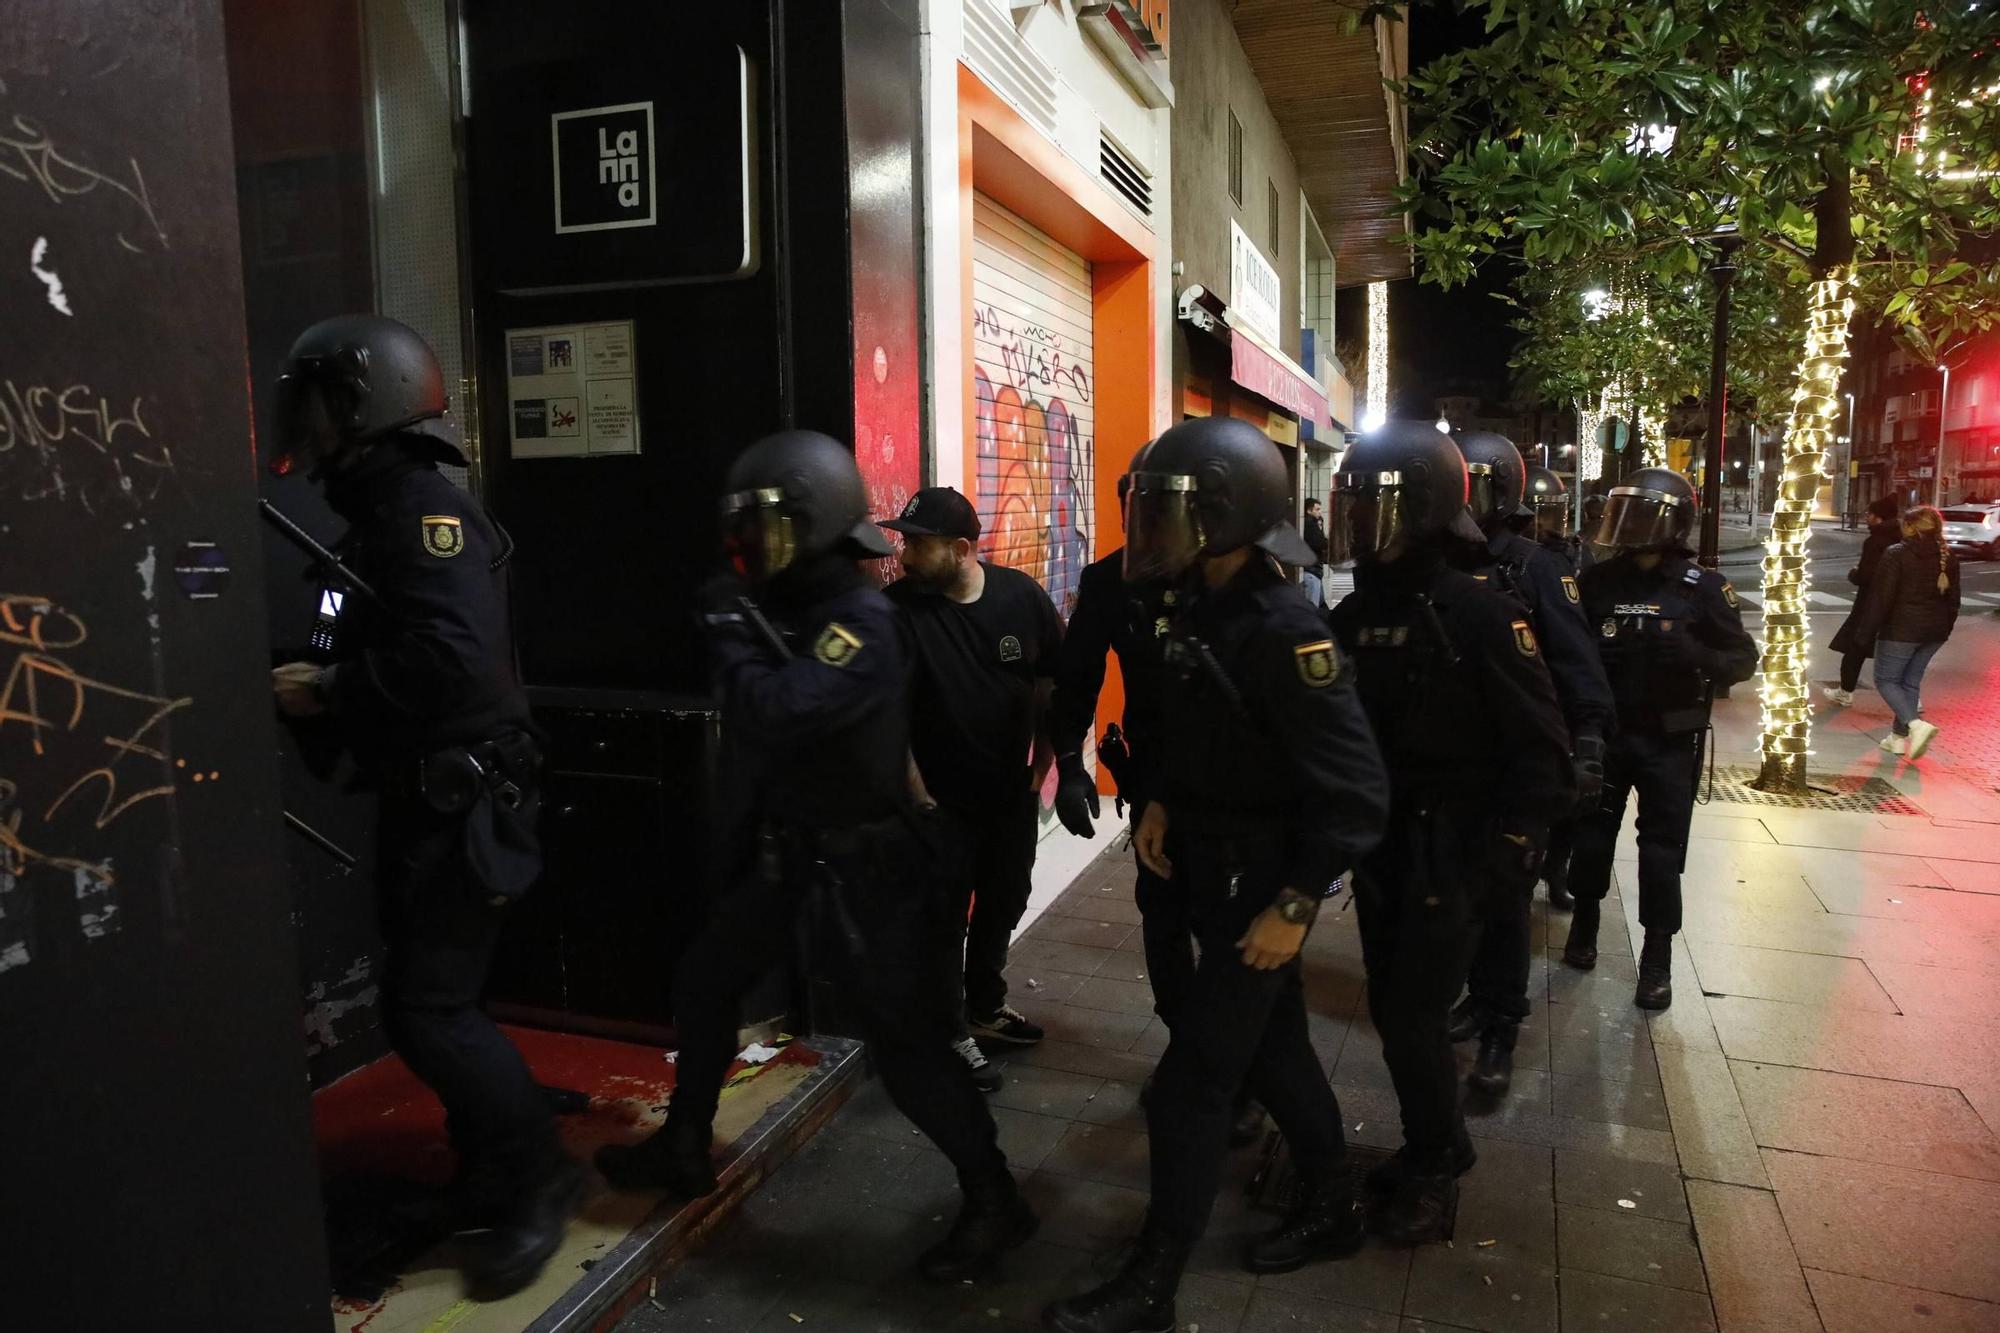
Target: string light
point(1589, 439)
point(1816, 408)
point(1378, 356)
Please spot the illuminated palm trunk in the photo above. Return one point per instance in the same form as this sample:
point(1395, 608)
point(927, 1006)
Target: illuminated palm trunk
point(1787, 734)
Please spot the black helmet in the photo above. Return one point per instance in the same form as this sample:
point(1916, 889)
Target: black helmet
point(1593, 511)
point(1653, 509)
point(1497, 477)
point(793, 496)
point(1401, 485)
point(1208, 487)
point(1548, 498)
point(375, 376)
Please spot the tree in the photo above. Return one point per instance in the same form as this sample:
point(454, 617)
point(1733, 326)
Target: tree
point(1850, 144)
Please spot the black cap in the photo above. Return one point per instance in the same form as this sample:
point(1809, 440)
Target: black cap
point(936, 511)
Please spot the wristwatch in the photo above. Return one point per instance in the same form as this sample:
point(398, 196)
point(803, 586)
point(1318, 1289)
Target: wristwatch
point(1296, 908)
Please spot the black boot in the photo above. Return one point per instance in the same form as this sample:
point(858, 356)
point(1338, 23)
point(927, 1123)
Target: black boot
point(1139, 1300)
point(512, 1254)
point(1493, 1072)
point(1247, 1126)
point(1468, 1020)
point(1656, 972)
point(1580, 951)
point(1386, 1177)
point(1418, 1211)
point(1327, 1225)
point(674, 1159)
point(994, 1219)
point(1559, 895)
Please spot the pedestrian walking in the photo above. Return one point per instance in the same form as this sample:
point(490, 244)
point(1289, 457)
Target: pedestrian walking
point(1885, 529)
point(984, 640)
point(1269, 787)
point(815, 740)
point(1912, 608)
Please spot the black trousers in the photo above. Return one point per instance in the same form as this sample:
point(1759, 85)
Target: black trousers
point(1419, 898)
point(1237, 1025)
point(1660, 769)
point(1562, 844)
point(997, 851)
point(441, 932)
point(888, 935)
point(1501, 961)
point(1850, 670)
point(1167, 931)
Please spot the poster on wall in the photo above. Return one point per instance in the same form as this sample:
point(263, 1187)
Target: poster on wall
point(570, 391)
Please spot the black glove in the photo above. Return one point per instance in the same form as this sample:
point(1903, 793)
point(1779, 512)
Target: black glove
point(1588, 761)
point(1076, 796)
point(722, 598)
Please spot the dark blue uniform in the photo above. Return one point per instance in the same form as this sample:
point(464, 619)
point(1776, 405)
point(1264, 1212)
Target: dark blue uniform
point(814, 754)
point(1669, 636)
point(1270, 780)
point(1452, 678)
point(433, 671)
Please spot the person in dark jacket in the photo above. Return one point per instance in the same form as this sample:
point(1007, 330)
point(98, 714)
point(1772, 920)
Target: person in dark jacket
point(1908, 616)
point(1884, 531)
point(1315, 535)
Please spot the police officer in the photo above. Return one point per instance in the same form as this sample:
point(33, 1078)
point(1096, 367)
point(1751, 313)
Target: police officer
point(1131, 620)
point(815, 745)
point(1450, 671)
point(423, 691)
point(1550, 524)
point(1671, 634)
point(1542, 582)
point(1269, 785)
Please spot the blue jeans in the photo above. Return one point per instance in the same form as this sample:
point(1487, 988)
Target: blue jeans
point(1899, 677)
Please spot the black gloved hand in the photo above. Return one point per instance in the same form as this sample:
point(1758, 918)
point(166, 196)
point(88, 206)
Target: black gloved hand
point(722, 597)
point(1516, 856)
point(1588, 761)
point(1076, 796)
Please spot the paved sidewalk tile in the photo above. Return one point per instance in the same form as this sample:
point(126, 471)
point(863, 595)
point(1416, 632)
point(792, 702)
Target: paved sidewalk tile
point(1711, 1132)
point(1752, 1272)
point(1867, 1119)
point(1911, 1228)
point(1857, 1305)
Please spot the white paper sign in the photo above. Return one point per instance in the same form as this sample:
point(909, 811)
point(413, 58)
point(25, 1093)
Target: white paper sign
point(570, 391)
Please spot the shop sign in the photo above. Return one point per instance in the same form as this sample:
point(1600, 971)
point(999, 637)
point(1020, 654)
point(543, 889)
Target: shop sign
point(604, 177)
point(1253, 286)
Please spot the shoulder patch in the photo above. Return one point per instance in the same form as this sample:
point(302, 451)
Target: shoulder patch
point(444, 536)
point(1524, 639)
point(1693, 575)
point(1729, 593)
point(1570, 590)
point(837, 645)
point(1317, 663)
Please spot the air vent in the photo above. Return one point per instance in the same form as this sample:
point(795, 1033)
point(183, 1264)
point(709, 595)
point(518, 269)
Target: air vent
point(1124, 175)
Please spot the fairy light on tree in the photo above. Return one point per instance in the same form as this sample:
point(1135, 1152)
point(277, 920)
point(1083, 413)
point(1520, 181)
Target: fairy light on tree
point(1378, 357)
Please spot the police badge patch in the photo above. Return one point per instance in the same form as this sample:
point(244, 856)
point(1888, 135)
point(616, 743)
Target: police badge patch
point(443, 536)
point(1318, 667)
point(1609, 628)
point(1524, 638)
point(1729, 593)
point(836, 645)
point(1569, 590)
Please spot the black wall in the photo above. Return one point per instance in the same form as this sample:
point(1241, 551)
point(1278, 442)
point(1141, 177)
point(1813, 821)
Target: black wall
point(157, 1169)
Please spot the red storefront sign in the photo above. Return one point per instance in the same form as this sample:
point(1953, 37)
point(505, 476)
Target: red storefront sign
point(1268, 377)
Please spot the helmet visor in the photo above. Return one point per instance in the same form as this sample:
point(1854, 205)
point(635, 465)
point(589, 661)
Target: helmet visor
point(1552, 515)
point(1638, 518)
point(758, 537)
point(1366, 523)
point(1163, 536)
point(1483, 494)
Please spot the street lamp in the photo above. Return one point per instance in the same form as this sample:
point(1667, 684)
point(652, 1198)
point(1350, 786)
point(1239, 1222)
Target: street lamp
point(1847, 483)
point(1937, 473)
point(1722, 269)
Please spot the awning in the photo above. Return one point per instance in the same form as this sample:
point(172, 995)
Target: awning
point(1276, 378)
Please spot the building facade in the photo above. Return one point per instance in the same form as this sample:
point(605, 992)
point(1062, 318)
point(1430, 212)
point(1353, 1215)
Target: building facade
point(1922, 435)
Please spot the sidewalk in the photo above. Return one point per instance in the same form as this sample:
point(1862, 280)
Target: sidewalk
point(1809, 1139)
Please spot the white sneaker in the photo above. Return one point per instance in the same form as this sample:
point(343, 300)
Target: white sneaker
point(1895, 744)
point(1835, 695)
point(1922, 733)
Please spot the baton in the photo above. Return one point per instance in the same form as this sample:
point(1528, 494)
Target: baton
point(320, 840)
point(326, 559)
point(755, 615)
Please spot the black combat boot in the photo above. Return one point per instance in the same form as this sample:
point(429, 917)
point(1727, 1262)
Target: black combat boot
point(1580, 951)
point(1560, 899)
point(674, 1159)
point(1326, 1224)
point(1247, 1123)
point(1139, 1300)
point(1468, 1020)
point(1417, 1211)
point(1385, 1177)
point(993, 1219)
point(1656, 972)
point(503, 1260)
point(1493, 1072)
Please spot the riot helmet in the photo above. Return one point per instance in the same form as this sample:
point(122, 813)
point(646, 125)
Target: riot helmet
point(1593, 511)
point(373, 376)
point(1401, 487)
point(1208, 487)
point(1548, 498)
point(1496, 477)
point(792, 497)
point(1653, 509)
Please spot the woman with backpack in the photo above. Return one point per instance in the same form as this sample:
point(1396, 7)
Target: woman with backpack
point(1908, 614)
point(1883, 532)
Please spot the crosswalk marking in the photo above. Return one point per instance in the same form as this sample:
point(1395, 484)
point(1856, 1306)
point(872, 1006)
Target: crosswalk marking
point(1751, 597)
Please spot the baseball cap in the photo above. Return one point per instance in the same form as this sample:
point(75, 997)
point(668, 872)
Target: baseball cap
point(936, 511)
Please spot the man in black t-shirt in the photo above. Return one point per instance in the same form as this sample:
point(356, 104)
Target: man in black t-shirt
point(984, 642)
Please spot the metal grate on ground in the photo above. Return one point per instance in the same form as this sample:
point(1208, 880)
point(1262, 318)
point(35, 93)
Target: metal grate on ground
point(1831, 791)
point(1275, 1187)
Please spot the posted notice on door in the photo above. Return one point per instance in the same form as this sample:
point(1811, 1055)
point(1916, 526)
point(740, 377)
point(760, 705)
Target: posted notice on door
point(570, 391)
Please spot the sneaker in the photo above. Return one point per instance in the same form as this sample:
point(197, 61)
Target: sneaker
point(1840, 698)
point(985, 1074)
point(1006, 1025)
point(1922, 733)
point(1895, 744)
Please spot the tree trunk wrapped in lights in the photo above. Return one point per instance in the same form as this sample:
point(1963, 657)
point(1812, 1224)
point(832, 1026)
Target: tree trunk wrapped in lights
point(1816, 407)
